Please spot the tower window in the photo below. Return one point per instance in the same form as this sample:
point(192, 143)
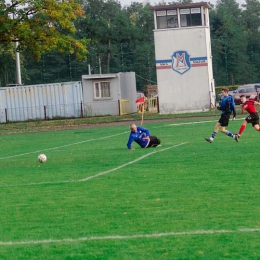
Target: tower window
point(167, 19)
point(190, 17)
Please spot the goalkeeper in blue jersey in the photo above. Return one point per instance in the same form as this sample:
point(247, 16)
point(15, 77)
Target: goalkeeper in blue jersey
point(227, 107)
point(141, 136)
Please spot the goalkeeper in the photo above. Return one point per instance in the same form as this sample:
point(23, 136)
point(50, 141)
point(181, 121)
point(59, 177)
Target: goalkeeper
point(141, 136)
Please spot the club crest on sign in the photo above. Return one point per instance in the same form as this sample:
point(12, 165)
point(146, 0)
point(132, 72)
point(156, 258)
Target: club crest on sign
point(181, 61)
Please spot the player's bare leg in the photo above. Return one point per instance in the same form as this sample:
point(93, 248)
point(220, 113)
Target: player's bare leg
point(257, 127)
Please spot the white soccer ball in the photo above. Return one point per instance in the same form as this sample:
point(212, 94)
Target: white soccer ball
point(42, 158)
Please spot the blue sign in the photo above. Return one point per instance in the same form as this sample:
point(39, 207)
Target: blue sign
point(181, 61)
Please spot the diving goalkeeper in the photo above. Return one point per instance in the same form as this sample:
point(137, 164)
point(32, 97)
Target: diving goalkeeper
point(141, 136)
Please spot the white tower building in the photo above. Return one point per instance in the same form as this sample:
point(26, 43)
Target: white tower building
point(183, 58)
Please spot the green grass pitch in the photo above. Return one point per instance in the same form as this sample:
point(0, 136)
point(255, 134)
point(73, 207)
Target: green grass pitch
point(95, 199)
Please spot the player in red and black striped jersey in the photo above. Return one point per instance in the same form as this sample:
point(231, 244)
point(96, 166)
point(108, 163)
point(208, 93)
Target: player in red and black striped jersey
point(252, 118)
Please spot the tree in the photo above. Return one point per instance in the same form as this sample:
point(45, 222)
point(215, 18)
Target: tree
point(251, 15)
point(180, 2)
point(41, 26)
point(229, 45)
point(7, 68)
point(107, 27)
point(143, 59)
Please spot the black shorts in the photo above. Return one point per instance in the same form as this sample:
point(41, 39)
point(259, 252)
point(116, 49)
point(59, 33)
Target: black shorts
point(224, 119)
point(253, 119)
point(154, 141)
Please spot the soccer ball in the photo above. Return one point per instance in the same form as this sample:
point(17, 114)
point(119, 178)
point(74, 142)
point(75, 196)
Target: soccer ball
point(42, 158)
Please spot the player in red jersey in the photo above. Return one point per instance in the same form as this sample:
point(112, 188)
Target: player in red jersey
point(253, 117)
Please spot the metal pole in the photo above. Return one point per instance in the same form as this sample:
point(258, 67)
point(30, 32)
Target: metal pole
point(17, 58)
point(99, 61)
point(18, 65)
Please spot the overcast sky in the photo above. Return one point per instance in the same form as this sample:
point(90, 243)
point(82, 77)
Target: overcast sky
point(153, 2)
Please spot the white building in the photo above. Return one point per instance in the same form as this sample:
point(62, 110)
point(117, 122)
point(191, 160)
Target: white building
point(183, 57)
point(102, 93)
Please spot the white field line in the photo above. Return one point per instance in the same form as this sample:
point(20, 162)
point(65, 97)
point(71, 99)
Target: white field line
point(105, 137)
point(62, 146)
point(134, 161)
point(126, 237)
point(198, 122)
point(98, 174)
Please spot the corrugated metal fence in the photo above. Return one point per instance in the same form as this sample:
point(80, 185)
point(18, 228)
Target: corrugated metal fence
point(45, 101)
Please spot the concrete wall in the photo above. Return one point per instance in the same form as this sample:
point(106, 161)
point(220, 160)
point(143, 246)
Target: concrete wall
point(189, 90)
point(127, 84)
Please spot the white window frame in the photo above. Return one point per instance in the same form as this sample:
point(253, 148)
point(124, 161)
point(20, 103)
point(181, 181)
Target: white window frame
point(167, 19)
point(187, 16)
point(99, 92)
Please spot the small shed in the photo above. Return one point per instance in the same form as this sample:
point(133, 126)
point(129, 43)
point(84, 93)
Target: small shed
point(109, 94)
